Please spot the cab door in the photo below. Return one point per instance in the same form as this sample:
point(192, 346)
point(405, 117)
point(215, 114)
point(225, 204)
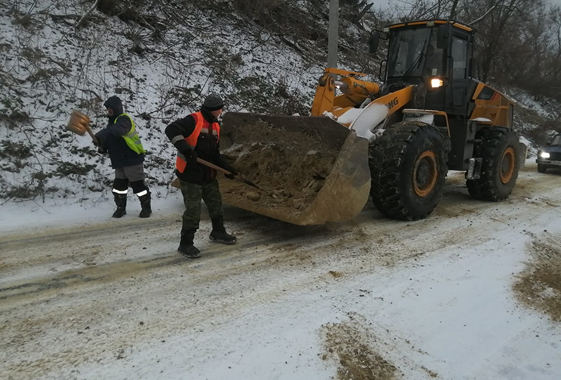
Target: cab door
point(460, 50)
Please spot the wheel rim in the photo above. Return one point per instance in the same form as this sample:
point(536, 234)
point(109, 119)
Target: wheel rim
point(507, 165)
point(425, 173)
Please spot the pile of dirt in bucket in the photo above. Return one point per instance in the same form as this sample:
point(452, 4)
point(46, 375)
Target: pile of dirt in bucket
point(309, 170)
point(289, 167)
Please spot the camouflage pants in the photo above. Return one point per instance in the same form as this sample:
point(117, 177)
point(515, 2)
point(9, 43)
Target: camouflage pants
point(192, 195)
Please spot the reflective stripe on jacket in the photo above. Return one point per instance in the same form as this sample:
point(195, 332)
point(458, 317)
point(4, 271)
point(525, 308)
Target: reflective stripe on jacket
point(201, 126)
point(131, 138)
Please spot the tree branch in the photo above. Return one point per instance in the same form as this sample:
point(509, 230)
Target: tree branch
point(87, 13)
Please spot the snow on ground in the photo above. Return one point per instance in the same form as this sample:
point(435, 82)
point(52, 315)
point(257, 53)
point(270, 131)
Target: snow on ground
point(52, 68)
point(84, 296)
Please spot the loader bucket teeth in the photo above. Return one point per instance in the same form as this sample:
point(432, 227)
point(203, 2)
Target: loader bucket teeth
point(309, 170)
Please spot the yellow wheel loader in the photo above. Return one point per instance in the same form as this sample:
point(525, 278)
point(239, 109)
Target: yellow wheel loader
point(393, 142)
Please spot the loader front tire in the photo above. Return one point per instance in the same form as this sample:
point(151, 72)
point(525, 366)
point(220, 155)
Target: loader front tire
point(408, 169)
point(498, 147)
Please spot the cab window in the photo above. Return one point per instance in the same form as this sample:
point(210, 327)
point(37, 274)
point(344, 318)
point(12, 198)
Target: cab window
point(460, 54)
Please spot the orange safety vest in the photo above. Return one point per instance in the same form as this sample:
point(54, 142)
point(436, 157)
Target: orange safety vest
point(201, 126)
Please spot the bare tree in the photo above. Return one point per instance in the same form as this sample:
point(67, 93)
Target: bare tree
point(500, 24)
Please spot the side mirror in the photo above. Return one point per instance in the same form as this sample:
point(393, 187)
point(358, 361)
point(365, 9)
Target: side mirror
point(443, 36)
point(373, 42)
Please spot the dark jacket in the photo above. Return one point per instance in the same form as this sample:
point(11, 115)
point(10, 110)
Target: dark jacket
point(207, 148)
point(110, 138)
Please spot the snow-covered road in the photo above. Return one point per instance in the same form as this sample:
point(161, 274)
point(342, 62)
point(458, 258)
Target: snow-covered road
point(412, 300)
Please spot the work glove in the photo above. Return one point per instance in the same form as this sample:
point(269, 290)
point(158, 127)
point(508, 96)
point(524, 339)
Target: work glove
point(190, 157)
point(220, 161)
point(232, 174)
point(100, 148)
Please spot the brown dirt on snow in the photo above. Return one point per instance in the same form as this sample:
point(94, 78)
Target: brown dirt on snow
point(350, 344)
point(539, 286)
point(289, 167)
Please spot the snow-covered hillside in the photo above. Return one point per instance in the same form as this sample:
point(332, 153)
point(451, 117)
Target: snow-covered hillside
point(161, 59)
point(161, 67)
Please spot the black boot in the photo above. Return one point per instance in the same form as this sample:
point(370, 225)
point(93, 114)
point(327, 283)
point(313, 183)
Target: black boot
point(219, 233)
point(186, 247)
point(145, 204)
point(121, 202)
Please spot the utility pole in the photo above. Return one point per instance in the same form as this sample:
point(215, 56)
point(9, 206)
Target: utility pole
point(333, 37)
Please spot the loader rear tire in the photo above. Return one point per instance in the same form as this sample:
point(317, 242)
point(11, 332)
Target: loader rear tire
point(499, 169)
point(408, 169)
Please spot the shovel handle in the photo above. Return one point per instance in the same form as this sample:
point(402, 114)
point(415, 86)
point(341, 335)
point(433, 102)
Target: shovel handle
point(216, 167)
point(211, 165)
point(89, 130)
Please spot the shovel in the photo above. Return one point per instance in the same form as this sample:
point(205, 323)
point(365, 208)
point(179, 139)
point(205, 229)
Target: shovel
point(175, 182)
point(80, 124)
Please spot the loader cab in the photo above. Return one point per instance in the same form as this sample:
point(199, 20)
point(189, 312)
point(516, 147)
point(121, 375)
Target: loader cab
point(409, 54)
point(436, 56)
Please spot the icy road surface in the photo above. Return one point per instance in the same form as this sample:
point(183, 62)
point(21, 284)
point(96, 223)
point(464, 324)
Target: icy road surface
point(432, 298)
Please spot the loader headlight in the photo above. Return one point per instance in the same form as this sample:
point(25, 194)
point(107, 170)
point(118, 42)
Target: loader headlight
point(436, 82)
point(341, 85)
point(544, 155)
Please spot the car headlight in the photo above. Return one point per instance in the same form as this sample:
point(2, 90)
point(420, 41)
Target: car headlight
point(544, 155)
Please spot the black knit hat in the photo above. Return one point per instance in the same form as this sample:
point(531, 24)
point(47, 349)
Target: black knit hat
point(213, 102)
point(114, 102)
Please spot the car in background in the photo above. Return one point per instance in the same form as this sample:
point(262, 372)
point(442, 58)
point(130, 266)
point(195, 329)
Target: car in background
point(550, 155)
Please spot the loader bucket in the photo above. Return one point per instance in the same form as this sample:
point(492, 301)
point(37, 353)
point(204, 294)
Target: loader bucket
point(308, 170)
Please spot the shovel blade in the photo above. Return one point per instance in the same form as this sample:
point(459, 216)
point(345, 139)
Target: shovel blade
point(78, 123)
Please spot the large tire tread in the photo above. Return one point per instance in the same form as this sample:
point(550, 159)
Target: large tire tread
point(494, 143)
point(392, 161)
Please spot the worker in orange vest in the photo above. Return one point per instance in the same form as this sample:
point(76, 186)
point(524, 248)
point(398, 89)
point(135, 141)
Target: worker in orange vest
point(197, 135)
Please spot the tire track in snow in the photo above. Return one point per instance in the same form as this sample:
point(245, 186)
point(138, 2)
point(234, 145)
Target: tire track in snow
point(170, 295)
